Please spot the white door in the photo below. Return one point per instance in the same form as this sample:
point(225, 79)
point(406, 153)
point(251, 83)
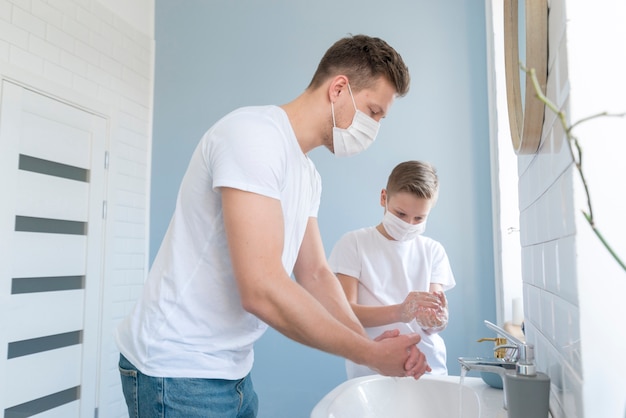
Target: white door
point(52, 183)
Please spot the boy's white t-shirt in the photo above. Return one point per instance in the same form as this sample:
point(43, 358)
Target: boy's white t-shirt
point(189, 321)
point(387, 271)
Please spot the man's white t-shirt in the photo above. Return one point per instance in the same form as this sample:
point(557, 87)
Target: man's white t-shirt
point(387, 271)
point(189, 321)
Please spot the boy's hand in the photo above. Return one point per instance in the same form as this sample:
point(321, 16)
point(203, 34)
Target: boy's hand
point(419, 300)
point(433, 320)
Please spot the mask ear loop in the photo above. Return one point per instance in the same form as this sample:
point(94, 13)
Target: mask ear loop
point(386, 201)
point(352, 97)
point(332, 112)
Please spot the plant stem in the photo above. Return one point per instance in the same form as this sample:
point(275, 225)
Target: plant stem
point(577, 158)
point(601, 238)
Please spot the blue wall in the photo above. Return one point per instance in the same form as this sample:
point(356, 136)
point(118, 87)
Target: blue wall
point(213, 56)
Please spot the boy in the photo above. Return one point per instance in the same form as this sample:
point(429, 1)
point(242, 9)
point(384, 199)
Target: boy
point(393, 276)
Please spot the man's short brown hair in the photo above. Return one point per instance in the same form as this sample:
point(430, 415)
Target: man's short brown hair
point(363, 59)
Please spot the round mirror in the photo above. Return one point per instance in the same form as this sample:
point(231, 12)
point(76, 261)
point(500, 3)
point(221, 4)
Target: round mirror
point(525, 44)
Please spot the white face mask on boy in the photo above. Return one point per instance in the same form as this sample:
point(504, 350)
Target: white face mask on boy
point(400, 230)
point(358, 136)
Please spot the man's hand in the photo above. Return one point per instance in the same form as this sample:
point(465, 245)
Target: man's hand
point(397, 355)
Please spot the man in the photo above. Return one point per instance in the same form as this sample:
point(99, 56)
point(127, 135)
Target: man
point(245, 220)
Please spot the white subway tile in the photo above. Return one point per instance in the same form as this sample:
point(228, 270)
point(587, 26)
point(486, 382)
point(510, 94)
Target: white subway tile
point(132, 123)
point(5, 11)
point(573, 394)
point(568, 286)
point(130, 32)
point(132, 168)
point(22, 4)
point(101, 43)
point(141, 110)
point(130, 153)
point(25, 20)
point(133, 139)
point(550, 270)
point(562, 321)
point(86, 17)
point(87, 53)
point(44, 49)
point(572, 352)
point(554, 369)
point(108, 96)
point(111, 66)
point(539, 261)
point(125, 89)
point(84, 85)
point(104, 14)
point(4, 51)
point(98, 75)
point(73, 63)
point(65, 7)
point(60, 38)
point(109, 32)
point(130, 183)
point(127, 198)
point(547, 315)
point(141, 66)
point(75, 28)
point(25, 60)
point(47, 13)
point(532, 310)
point(13, 34)
point(57, 74)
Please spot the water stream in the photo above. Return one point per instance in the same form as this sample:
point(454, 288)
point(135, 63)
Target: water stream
point(461, 379)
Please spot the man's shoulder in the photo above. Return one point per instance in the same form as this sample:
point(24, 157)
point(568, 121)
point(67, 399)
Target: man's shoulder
point(260, 113)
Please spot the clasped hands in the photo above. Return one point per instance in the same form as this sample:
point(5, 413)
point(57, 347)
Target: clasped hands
point(396, 346)
point(430, 310)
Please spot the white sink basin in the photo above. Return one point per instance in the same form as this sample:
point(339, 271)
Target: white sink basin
point(428, 397)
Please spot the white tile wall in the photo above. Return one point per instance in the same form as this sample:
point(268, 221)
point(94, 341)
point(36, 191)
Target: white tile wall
point(87, 54)
point(548, 230)
point(573, 291)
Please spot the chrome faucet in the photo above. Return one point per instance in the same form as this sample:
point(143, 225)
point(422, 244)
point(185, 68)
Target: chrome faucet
point(524, 353)
point(520, 357)
point(494, 365)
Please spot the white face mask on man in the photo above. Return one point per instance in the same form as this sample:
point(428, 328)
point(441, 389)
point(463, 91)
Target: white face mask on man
point(358, 136)
point(400, 230)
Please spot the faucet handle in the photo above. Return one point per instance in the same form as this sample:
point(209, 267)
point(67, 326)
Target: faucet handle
point(503, 333)
point(499, 351)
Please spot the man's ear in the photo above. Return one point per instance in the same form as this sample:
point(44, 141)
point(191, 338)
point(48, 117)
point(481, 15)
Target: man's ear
point(337, 85)
point(383, 198)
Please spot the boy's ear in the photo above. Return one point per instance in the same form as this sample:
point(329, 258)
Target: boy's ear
point(383, 198)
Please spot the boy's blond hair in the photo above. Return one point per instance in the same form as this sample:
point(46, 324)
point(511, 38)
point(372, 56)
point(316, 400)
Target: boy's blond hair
point(416, 177)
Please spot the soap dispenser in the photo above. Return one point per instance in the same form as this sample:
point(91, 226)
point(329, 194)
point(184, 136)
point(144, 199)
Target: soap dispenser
point(527, 390)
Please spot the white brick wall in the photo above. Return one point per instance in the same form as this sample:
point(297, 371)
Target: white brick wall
point(85, 53)
point(548, 233)
point(573, 291)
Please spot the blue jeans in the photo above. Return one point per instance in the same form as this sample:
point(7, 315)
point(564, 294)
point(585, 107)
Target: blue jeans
point(151, 397)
